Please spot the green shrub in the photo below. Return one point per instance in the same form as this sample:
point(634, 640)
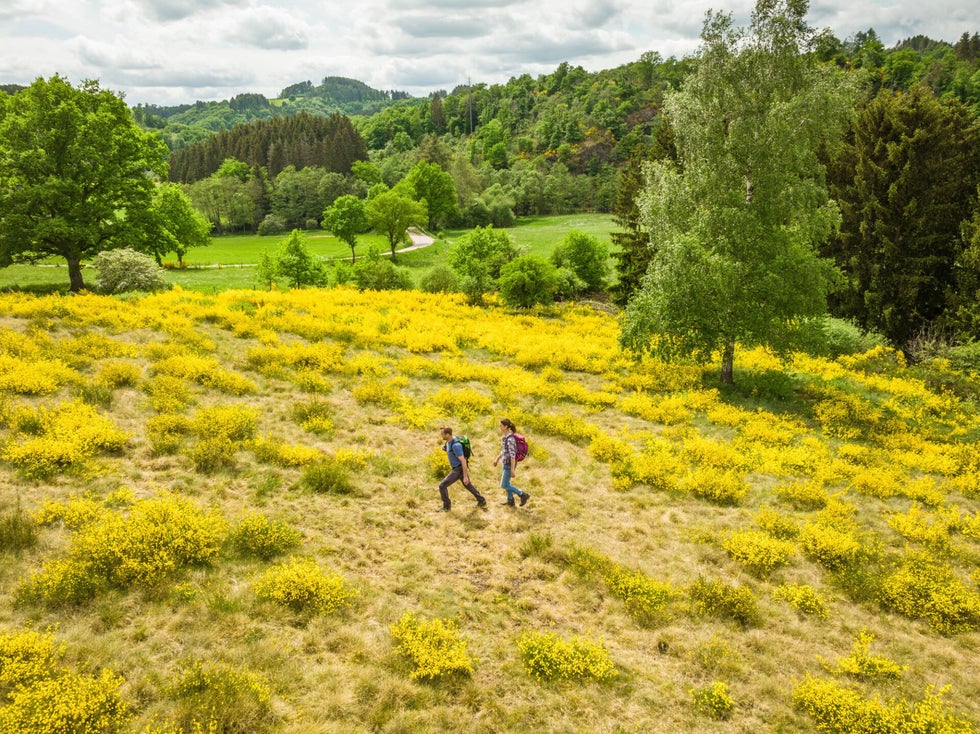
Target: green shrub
point(713, 700)
point(844, 337)
point(294, 262)
point(327, 477)
point(726, 601)
point(256, 535)
point(124, 270)
point(842, 710)
point(586, 257)
point(380, 274)
point(434, 646)
point(760, 553)
point(440, 279)
point(300, 585)
point(547, 656)
point(527, 281)
point(216, 697)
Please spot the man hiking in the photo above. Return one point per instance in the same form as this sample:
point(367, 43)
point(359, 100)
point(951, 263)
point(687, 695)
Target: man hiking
point(459, 470)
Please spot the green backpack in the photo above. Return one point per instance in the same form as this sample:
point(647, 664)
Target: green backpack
point(465, 443)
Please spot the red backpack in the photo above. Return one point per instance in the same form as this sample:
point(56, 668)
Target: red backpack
point(520, 444)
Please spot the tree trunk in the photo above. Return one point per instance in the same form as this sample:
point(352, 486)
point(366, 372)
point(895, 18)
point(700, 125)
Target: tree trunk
point(727, 363)
point(75, 274)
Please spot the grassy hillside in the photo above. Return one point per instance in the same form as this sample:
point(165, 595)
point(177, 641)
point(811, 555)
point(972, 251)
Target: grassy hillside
point(219, 511)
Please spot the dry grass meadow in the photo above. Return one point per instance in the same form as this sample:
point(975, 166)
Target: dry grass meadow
point(800, 553)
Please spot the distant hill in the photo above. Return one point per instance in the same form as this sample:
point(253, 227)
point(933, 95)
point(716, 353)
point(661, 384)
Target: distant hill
point(186, 124)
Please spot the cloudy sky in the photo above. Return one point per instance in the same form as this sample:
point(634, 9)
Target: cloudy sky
point(176, 51)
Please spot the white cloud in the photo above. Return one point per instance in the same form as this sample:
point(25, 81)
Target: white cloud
point(173, 51)
point(272, 28)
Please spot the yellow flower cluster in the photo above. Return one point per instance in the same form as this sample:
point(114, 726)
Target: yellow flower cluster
point(923, 587)
point(33, 376)
point(70, 435)
point(301, 585)
point(713, 700)
point(257, 535)
point(156, 538)
point(270, 450)
point(835, 707)
point(860, 664)
point(205, 371)
point(547, 656)
point(759, 552)
point(802, 597)
point(433, 646)
point(38, 694)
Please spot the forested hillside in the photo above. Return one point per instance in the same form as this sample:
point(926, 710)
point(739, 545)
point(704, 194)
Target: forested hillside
point(300, 140)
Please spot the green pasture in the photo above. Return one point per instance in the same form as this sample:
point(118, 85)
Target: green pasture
point(229, 262)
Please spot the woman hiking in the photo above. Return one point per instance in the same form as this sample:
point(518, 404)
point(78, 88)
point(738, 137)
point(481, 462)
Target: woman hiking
point(508, 454)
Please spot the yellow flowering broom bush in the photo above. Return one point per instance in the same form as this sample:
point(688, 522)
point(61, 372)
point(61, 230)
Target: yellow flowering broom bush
point(922, 587)
point(713, 700)
point(803, 598)
point(151, 542)
point(432, 645)
point(71, 702)
point(72, 434)
point(257, 535)
point(645, 598)
point(844, 709)
point(301, 585)
point(861, 664)
point(547, 656)
point(759, 552)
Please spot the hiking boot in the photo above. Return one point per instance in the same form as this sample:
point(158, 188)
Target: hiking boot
point(481, 504)
point(509, 502)
point(443, 509)
point(524, 498)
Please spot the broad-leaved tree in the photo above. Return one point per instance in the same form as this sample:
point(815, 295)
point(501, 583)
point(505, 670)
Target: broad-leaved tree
point(76, 174)
point(735, 223)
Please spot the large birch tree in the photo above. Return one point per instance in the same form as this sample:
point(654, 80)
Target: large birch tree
point(736, 220)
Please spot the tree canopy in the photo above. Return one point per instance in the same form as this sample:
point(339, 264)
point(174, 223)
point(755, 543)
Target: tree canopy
point(906, 179)
point(735, 223)
point(346, 218)
point(76, 174)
